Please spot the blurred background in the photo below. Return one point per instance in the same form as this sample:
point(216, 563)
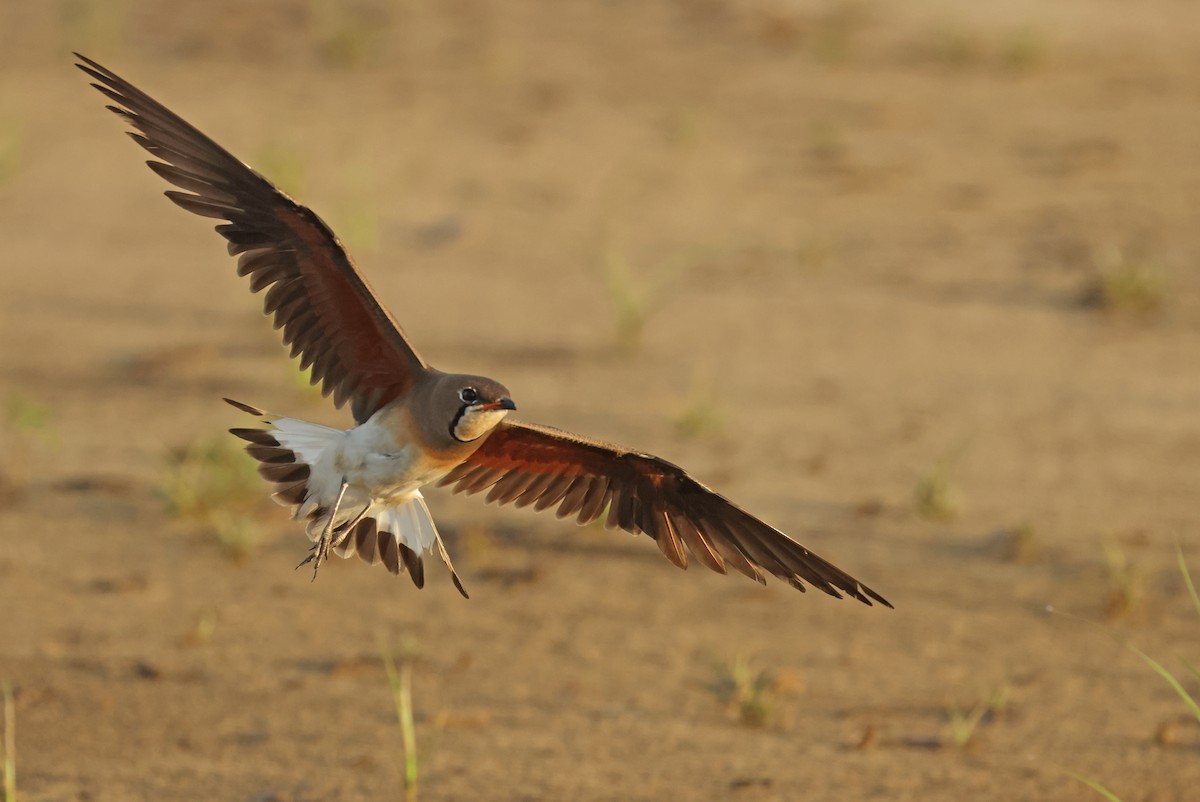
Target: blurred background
point(916, 282)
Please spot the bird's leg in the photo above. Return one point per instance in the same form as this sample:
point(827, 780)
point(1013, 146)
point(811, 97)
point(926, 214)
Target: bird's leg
point(342, 533)
point(345, 530)
point(321, 549)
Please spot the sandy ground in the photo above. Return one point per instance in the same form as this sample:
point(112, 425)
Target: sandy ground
point(865, 235)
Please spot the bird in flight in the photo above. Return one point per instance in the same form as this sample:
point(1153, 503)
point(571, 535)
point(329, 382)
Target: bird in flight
point(359, 489)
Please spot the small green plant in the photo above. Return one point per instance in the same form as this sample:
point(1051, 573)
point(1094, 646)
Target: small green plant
point(212, 482)
point(748, 692)
point(10, 743)
point(1126, 580)
point(400, 684)
point(964, 724)
point(699, 417)
point(26, 427)
point(1123, 284)
point(936, 496)
point(631, 300)
point(202, 629)
point(31, 418)
point(634, 292)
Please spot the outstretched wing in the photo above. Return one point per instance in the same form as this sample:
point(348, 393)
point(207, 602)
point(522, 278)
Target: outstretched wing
point(527, 464)
point(328, 314)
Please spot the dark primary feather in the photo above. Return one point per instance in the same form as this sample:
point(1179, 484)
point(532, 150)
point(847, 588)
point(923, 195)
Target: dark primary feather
point(526, 464)
point(328, 314)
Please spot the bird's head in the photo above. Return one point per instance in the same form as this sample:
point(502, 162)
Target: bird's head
point(472, 405)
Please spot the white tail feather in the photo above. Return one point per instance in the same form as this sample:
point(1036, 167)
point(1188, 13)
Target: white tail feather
point(313, 445)
point(309, 441)
point(410, 523)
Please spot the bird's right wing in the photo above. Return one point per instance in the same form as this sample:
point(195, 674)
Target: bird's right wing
point(328, 314)
point(528, 464)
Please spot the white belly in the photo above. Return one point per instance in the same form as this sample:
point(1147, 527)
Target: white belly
point(375, 466)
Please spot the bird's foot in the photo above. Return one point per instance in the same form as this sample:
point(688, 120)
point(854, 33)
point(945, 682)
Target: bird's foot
point(319, 553)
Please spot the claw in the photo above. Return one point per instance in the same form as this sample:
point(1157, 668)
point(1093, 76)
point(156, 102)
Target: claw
point(311, 553)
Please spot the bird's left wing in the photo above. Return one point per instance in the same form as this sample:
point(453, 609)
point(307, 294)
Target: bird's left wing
point(526, 464)
point(328, 314)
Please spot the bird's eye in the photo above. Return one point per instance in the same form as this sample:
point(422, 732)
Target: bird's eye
point(468, 395)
